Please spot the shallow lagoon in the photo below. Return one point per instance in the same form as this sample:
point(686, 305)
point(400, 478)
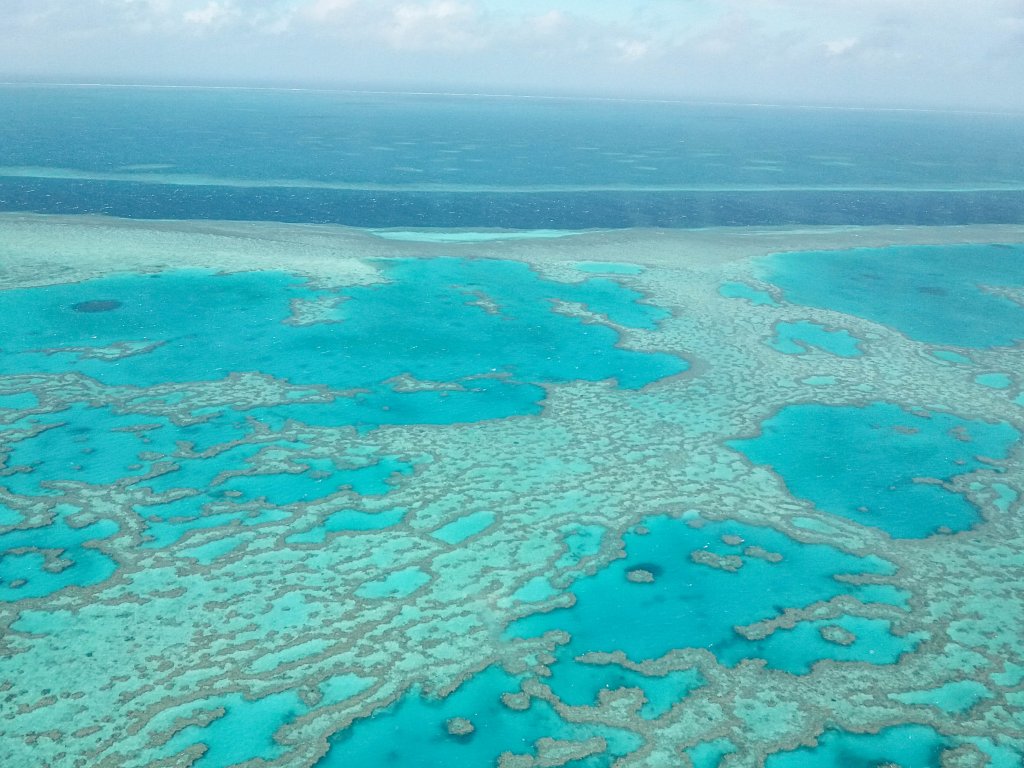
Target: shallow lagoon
point(480, 318)
point(353, 551)
point(704, 597)
point(881, 464)
point(940, 295)
point(688, 584)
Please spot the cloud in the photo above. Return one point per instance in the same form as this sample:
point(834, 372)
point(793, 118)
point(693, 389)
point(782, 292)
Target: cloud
point(842, 46)
point(213, 14)
point(439, 25)
point(323, 10)
point(632, 50)
point(864, 51)
point(549, 23)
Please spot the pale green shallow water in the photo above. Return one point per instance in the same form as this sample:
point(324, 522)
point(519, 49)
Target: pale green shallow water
point(567, 512)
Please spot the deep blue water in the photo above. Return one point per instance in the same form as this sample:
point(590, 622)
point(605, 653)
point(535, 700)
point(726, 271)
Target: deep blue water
point(624, 164)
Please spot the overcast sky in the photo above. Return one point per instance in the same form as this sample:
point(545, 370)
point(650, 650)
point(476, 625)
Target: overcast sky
point(945, 53)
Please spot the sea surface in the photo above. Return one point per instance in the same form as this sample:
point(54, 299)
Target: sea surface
point(361, 429)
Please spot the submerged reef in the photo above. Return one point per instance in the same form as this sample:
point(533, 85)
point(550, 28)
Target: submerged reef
point(290, 497)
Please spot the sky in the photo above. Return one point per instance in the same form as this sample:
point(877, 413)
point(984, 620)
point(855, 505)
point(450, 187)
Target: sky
point(951, 54)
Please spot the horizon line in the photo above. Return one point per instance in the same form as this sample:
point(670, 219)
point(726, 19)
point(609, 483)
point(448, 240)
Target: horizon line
point(521, 96)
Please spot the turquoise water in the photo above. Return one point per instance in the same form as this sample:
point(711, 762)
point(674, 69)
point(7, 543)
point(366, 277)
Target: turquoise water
point(609, 268)
point(755, 296)
point(18, 401)
point(580, 684)
point(462, 528)
point(413, 731)
point(691, 603)
point(30, 554)
point(225, 501)
point(951, 357)
point(881, 465)
point(938, 295)
point(994, 380)
point(97, 445)
point(242, 728)
point(349, 520)
point(496, 481)
point(799, 338)
point(710, 753)
point(957, 697)
point(909, 746)
point(871, 641)
point(244, 731)
point(205, 326)
point(195, 321)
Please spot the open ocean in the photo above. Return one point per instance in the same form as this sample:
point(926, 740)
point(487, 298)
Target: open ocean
point(359, 429)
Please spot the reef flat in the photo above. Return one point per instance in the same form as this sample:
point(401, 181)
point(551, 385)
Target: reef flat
point(296, 495)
